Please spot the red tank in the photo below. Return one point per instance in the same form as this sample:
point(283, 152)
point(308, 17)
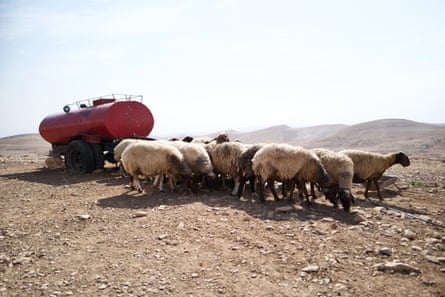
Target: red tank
point(103, 120)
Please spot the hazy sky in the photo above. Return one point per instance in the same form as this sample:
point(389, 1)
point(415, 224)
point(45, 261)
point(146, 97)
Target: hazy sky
point(207, 66)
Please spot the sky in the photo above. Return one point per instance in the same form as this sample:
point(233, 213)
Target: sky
point(209, 66)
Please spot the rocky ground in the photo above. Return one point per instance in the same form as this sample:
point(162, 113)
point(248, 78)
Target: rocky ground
point(87, 235)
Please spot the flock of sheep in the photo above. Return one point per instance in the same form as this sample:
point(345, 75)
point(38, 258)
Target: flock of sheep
point(205, 161)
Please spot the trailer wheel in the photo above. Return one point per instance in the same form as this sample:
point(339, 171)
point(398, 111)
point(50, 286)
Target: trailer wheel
point(79, 157)
point(99, 158)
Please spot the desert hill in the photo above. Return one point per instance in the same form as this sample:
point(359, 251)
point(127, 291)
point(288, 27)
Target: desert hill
point(24, 144)
point(384, 135)
point(414, 138)
point(388, 135)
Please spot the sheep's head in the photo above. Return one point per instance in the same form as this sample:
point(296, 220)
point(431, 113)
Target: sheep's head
point(402, 159)
point(331, 194)
point(346, 199)
point(187, 139)
point(323, 177)
point(222, 137)
point(178, 166)
point(314, 172)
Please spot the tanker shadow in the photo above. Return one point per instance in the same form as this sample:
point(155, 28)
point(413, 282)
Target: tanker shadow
point(60, 177)
point(218, 201)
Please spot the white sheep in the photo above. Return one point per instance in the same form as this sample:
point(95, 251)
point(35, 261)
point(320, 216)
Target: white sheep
point(287, 163)
point(369, 166)
point(225, 158)
point(196, 157)
point(121, 146)
point(341, 169)
point(203, 139)
point(54, 162)
point(153, 158)
point(119, 149)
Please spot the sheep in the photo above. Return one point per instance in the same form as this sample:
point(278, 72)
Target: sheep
point(121, 146)
point(54, 162)
point(203, 139)
point(221, 137)
point(119, 149)
point(188, 139)
point(225, 158)
point(369, 166)
point(341, 169)
point(153, 158)
point(196, 157)
point(245, 164)
point(287, 162)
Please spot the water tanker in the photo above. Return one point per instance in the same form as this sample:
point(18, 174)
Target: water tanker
point(85, 136)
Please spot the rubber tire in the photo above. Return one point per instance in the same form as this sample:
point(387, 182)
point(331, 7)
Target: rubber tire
point(79, 157)
point(99, 157)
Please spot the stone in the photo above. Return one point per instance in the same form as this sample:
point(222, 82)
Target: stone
point(285, 209)
point(102, 287)
point(339, 287)
point(311, 269)
point(397, 267)
point(416, 248)
point(84, 217)
point(140, 214)
point(409, 234)
point(432, 240)
point(358, 218)
point(435, 260)
point(162, 236)
point(385, 251)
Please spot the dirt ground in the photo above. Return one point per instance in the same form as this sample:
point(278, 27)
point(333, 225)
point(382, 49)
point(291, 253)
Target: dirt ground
point(63, 234)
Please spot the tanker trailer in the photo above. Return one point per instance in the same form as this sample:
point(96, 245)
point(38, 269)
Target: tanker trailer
point(86, 132)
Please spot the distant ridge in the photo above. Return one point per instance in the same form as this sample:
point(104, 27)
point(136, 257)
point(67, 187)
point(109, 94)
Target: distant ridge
point(24, 144)
point(386, 135)
point(284, 133)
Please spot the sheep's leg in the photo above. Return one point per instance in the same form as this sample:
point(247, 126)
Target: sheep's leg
point(122, 170)
point(161, 182)
point(376, 184)
point(252, 183)
point(242, 184)
point(156, 180)
point(313, 191)
point(302, 190)
point(236, 186)
point(260, 188)
point(223, 180)
point(292, 188)
point(368, 184)
point(271, 183)
point(137, 184)
point(209, 182)
point(131, 183)
point(283, 189)
point(172, 183)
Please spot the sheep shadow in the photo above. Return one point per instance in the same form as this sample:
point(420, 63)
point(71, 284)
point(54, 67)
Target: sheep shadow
point(301, 211)
point(388, 194)
point(60, 177)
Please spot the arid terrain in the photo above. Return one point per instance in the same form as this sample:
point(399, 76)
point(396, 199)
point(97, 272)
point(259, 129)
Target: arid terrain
point(66, 234)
